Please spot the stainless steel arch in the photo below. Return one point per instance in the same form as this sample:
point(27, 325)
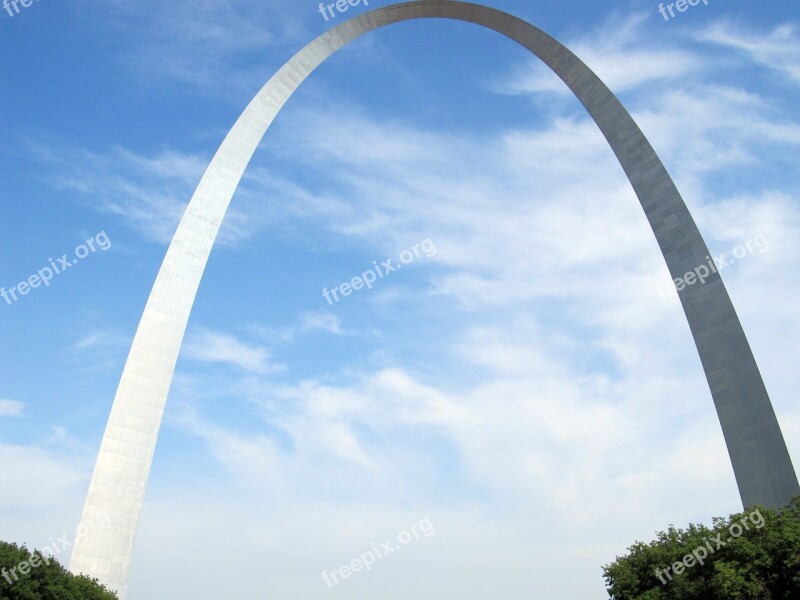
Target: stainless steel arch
point(761, 462)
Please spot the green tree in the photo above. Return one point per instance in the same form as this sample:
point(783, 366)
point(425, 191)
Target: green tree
point(753, 555)
point(28, 575)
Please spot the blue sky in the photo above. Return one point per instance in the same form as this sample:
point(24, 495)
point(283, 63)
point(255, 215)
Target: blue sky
point(531, 388)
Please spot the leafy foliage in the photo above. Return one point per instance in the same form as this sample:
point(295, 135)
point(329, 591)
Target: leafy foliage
point(43, 578)
point(757, 561)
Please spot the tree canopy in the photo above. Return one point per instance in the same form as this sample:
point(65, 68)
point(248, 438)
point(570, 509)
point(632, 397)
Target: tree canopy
point(753, 555)
point(26, 575)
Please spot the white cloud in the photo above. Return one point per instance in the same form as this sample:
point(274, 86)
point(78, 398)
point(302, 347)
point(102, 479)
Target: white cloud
point(616, 54)
point(321, 320)
point(201, 43)
point(99, 340)
point(209, 346)
point(307, 322)
point(149, 193)
point(778, 49)
point(45, 488)
point(11, 408)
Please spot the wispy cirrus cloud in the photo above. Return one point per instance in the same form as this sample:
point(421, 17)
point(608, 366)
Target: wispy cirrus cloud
point(209, 346)
point(307, 322)
point(618, 55)
point(147, 192)
point(778, 49)
point(11, 408)
point(100, 339)
point(201, 44)
point(320, 320)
